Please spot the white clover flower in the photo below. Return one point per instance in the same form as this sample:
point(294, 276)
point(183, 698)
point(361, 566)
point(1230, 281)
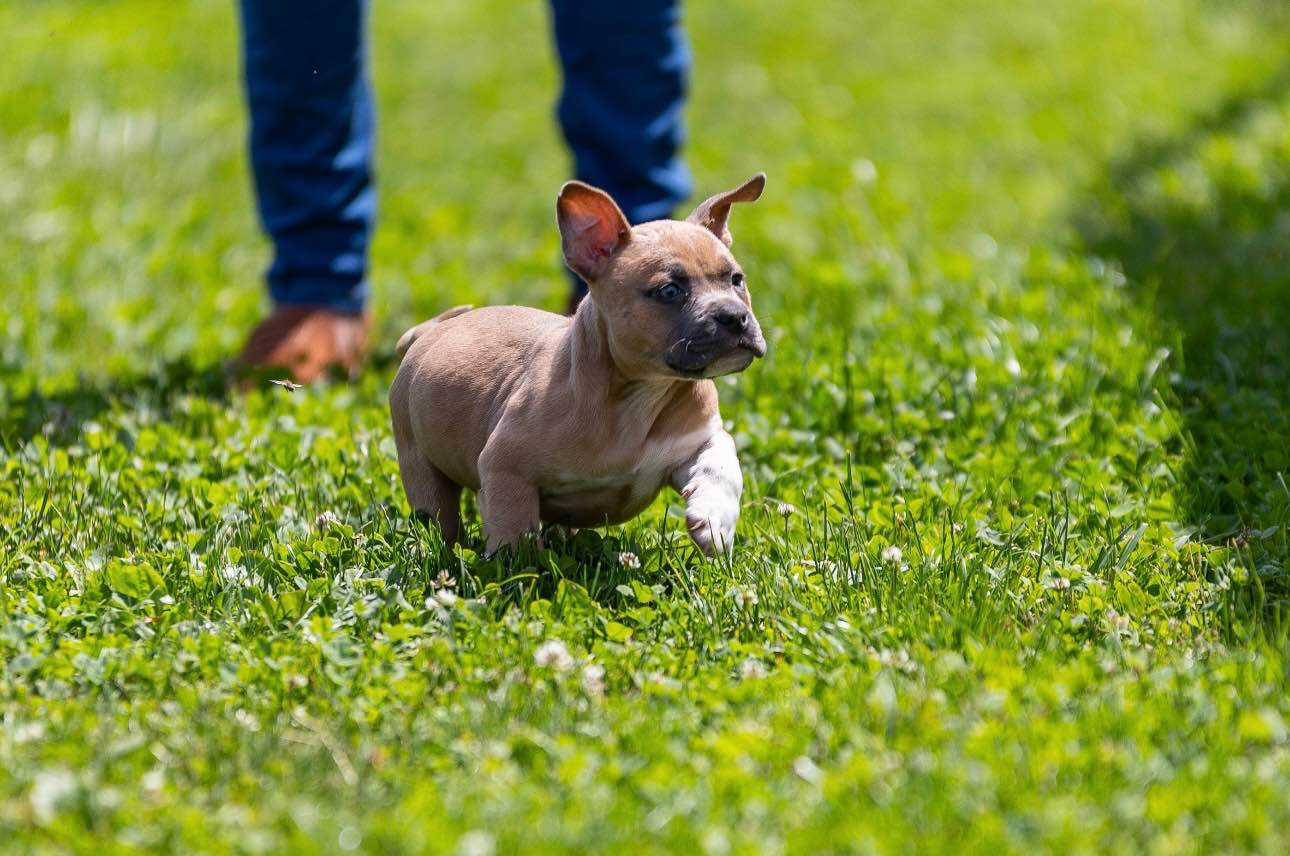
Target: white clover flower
point(1116, 620)
point(807, 770)
point(50, 789)
point(593, 680)
point(153, 780)
point(744, 597)
point(553, 654)
point(477, 842)
point(326, 520)
point(898, 659)
point(238, 575)
point(659, 679)
point(629, 560)
point(1059, 584)
point(752, 669)
point(784, 509)
point(28, 731)
point(864, 171)
point(445, 598)
point(444, 580)
point(892, 555)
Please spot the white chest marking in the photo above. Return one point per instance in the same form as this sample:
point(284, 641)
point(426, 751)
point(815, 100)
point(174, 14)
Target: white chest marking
point(660, 457)
point(651, 469)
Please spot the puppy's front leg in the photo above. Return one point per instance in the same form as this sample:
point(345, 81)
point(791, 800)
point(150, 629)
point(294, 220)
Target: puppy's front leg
point(508, 506)
point(711, 483)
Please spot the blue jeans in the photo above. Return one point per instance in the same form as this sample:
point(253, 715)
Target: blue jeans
point(305, 64)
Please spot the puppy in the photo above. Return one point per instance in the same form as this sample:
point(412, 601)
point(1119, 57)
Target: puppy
point(581, 421)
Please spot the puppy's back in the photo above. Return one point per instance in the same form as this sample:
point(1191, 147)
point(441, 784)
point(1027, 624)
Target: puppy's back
point(457, 373)
point(475, 336)
point(406, 340)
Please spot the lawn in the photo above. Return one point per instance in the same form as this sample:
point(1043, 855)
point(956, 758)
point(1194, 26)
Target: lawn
point(1012, 571)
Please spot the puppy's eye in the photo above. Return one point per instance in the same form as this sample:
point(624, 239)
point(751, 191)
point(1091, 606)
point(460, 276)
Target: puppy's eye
point(669, 293)
point(737, 280)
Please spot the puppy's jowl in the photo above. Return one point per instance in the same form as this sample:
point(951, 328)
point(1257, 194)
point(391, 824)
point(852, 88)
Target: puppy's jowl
point(581, 421)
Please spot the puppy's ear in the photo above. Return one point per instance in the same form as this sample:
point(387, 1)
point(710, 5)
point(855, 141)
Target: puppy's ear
point(714, 211)
point(592, 228)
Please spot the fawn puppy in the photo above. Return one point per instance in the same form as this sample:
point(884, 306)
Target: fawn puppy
point(582, 420)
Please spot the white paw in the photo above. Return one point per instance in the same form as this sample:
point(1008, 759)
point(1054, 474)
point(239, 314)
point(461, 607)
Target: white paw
point(712, 489)
point(712, 527)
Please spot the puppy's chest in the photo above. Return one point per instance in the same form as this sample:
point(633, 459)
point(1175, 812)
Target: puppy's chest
point(621, 482)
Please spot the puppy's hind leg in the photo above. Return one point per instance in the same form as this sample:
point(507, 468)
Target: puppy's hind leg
point(431, 493)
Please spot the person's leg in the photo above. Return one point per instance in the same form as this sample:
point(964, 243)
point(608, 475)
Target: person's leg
point(311, 141)
point(626, 65)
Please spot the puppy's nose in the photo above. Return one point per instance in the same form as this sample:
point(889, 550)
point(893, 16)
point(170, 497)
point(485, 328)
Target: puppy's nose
point(734, 319)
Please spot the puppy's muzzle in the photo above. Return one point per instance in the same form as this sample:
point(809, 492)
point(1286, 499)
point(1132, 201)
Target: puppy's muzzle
point(729, 335)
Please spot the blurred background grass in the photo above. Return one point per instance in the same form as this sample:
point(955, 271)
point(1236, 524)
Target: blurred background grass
point(128, 229)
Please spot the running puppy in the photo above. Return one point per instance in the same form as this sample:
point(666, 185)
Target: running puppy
point(581, 421)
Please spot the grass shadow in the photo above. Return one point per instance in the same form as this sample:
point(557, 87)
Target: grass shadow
point(589, 559)
point(1200, 225)
point(26, 411)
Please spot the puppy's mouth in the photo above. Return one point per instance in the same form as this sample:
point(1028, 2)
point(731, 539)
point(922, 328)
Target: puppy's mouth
point(712, 358)
point(753, 342)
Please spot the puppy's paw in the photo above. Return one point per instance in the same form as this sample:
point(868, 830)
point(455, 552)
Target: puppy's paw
point(712, 528)
point(711, 485)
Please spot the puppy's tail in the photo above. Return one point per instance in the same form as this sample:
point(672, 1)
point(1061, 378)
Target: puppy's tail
point(406, 340)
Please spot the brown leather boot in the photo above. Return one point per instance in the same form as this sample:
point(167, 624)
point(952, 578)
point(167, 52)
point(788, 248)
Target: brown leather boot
point(306, 341)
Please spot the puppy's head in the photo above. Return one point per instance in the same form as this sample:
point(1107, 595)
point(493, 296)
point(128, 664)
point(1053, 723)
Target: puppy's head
point(674, 299)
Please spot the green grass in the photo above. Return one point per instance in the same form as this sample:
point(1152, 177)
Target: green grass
point(1025, 271)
